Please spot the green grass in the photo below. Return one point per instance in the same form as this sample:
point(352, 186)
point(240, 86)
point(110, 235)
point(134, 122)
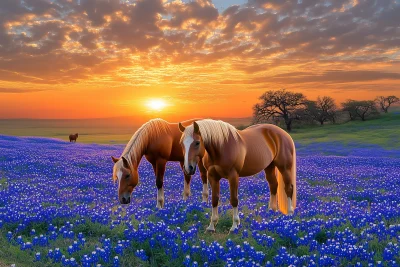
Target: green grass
point(383, 131)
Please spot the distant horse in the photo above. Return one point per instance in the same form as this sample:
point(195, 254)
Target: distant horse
point(158, 141)
point(73, 137)
point(232, 153)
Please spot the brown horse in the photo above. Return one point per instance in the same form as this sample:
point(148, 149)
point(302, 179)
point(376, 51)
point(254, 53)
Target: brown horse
point(158, 141)
point(73, 137)
point(232, 153)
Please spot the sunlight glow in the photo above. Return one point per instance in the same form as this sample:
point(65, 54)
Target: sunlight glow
point(156, 104)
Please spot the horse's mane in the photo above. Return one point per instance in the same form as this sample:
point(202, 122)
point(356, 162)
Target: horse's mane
point(214, 132)
point(145, 134)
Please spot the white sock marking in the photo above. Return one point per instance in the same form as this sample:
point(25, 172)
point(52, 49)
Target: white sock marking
point(235, 218)
point(160, 198)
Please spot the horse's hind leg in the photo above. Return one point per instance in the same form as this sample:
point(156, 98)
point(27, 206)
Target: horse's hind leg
point(270, 175)
point(186, 184)
point(203, 175)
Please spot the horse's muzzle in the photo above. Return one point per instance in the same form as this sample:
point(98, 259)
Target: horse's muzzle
point(124, 200)
point(192, 170)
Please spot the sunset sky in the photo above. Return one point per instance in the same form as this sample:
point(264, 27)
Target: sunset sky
point(106, 58)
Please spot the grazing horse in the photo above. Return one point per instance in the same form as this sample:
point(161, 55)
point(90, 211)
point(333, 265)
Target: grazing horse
point(73, 137)
point(232, 153)
point(158, 140)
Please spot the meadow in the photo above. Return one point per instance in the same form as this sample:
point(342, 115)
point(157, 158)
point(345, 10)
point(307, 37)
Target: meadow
point(59, 207)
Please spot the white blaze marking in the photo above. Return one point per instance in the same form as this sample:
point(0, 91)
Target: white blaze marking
point(119, 175)
point(186, 143)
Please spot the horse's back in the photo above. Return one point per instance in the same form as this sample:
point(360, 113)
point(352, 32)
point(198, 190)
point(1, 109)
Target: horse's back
point(259, 151)
point(263, 143)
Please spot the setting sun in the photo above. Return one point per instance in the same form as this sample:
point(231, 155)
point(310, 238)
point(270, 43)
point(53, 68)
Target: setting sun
point(156, 104)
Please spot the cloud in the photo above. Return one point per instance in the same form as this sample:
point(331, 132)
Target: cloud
point(19, 90)
point(336, 76)
point(61, 41)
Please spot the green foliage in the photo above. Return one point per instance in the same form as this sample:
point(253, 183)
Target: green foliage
point(321, 237)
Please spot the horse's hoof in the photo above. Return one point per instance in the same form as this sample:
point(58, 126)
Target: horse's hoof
point(209, 231)
point(290, 212)
point(186, 196)
point(233, 230)
point(271, 207)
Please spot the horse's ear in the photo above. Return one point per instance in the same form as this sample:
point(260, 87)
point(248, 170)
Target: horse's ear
point(196, 128)
point(181, 127)
point(114, 159)
point(125, 161)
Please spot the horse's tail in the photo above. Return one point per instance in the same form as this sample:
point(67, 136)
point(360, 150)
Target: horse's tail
point(282, 197)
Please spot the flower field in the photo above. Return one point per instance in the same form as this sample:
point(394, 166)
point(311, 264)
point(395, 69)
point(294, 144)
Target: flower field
point(59, 207)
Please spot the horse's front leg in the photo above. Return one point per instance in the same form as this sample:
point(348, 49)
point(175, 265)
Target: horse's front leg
point(215, 188)
point(233, 187)
point(160, 170)
point(186, 184)
point(203, 175)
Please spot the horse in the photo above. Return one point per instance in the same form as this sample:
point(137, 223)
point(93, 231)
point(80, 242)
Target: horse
point(230, 153)
point(158, 141)
point(73, 137)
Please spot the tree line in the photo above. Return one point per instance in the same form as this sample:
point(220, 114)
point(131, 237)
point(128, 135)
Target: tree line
point(288, 106)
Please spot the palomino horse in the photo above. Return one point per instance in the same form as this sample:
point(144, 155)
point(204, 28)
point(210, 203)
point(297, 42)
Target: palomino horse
point(158, 141)
point(232, 153)
point(73, 137)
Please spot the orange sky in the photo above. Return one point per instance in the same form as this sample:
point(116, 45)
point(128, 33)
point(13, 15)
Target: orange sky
point(105, 58)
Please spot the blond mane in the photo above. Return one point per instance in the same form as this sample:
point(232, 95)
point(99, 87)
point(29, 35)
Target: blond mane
point(214, 132)
point(145, 134)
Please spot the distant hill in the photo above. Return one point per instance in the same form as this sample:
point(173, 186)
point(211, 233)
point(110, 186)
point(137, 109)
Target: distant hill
point(101, 130)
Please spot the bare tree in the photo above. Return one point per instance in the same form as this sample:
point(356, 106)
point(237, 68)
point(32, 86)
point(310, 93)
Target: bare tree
point(360, 109)
point(281, 103)
point(385, 102)
point(322, 110)
point(350, 107)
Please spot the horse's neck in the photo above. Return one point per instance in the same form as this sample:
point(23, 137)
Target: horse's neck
point(136, 158)
point(216, 152)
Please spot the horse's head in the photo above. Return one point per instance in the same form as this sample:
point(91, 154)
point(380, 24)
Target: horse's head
point(192, 146)
point(127, 178)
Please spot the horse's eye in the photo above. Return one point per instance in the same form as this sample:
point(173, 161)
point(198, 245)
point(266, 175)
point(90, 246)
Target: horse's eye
point(127, 176)
point(197, 143)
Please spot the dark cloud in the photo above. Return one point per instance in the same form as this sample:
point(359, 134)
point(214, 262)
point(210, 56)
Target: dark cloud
point(200, 11)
